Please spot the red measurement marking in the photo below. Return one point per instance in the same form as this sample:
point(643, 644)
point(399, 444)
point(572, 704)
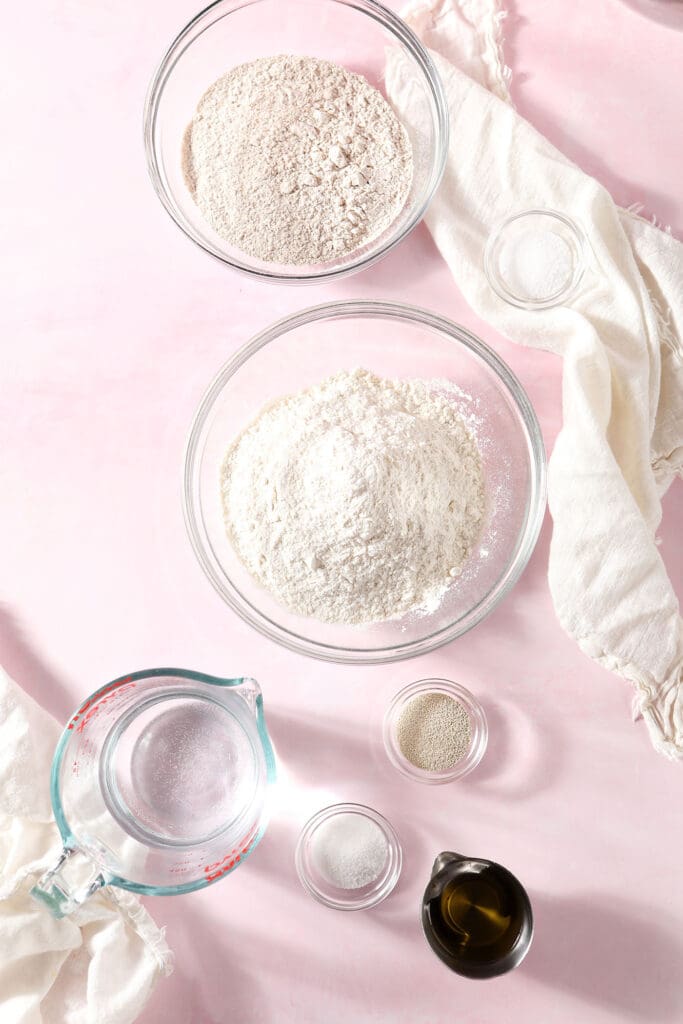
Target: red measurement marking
point(223, 870)
point(221, 867)
point(180, 869)
point(85, 751)
point(216, 864)
point(102, 698)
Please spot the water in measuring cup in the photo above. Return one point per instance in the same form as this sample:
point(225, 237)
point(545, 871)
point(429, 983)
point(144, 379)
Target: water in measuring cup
point(181, 771)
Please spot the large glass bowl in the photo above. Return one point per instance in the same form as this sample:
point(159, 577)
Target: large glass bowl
point(362, 35)
point(390, 340)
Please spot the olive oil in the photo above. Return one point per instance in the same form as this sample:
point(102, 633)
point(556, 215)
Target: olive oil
point(476, 916)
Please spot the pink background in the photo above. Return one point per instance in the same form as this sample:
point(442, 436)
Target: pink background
point(114, 325)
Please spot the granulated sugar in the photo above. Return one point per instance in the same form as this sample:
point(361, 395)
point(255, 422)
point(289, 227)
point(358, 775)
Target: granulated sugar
point(296, 160)
point(349, 850)
point(433, 732)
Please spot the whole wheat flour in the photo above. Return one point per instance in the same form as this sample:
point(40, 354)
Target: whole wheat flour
point(355, 500)
point(296, 160)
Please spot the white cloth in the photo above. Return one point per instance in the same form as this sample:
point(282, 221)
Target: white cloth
point(622, 438)
point(98, 966)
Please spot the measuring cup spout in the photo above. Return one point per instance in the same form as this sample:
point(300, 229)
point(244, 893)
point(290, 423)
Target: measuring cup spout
point(250, 691)
point(447, 857)
point(246, 687)
point(74, 878)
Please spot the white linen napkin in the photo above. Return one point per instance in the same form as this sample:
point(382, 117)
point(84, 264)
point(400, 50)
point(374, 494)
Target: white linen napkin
point(98, 965)
point(622, 438)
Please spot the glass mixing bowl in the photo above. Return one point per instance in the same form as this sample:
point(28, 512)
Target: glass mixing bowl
point(362, 35)
point(390, 340)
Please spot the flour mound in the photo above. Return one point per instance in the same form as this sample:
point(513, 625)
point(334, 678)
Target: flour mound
point(355, 500)
point(296, 160)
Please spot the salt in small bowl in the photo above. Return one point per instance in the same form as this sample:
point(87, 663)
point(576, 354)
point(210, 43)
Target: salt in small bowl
point(320, 888)
point(513, 245)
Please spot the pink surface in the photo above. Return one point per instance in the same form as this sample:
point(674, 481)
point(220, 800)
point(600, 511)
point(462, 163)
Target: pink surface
point(114, 325)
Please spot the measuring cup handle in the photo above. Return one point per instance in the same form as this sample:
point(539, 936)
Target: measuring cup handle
point(73, 879)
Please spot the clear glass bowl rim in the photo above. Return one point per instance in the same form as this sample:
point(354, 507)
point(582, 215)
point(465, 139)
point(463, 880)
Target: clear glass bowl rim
point(537, 498)
point(393, 24)
point(565, 293)
point(395, 861)
point(479, 726)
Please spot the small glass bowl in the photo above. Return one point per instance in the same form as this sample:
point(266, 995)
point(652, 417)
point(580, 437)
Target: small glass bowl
point(478, 726)
point(315, 883)
point(361, 35)
point(500, 247)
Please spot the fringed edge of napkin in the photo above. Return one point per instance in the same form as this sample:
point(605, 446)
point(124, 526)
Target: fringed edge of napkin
point(485, 18)
point(140, 921)
point(660, 704)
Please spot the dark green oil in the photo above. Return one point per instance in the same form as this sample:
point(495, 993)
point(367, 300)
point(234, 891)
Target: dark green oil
point(477, 917)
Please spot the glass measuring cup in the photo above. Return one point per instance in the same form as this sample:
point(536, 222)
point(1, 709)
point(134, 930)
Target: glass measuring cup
point(159, 785)
point(476, 916)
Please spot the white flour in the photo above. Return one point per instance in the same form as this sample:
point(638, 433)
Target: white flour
point(356, 500)
point(296, 160)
